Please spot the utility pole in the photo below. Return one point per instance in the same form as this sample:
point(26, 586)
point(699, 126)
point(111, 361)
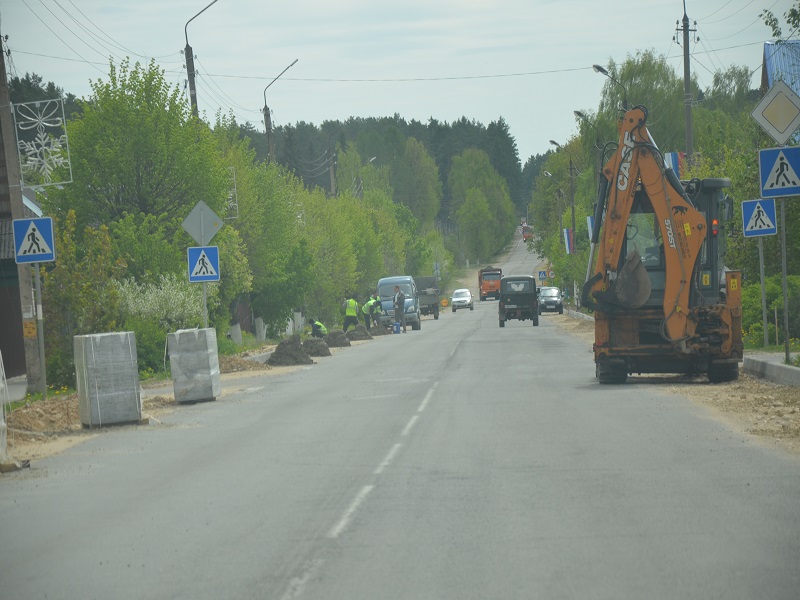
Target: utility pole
point(332, 170)
point(189, 55)
point(190, 72)
point(687, 85)
point(11, 200)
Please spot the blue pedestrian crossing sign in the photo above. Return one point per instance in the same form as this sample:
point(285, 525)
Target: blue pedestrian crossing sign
point(758, 217)
point(33, 240)
point(542, 275)
point(203, 264)
point(779, 170)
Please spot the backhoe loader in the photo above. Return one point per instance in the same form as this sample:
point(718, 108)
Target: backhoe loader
point(664, 302)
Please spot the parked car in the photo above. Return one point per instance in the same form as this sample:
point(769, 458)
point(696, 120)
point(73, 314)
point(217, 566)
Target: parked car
point(550, 300)
point(518, 299)
point(462, 299)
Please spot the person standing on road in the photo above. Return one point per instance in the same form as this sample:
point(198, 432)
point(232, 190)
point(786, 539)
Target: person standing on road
point(366, 312)
point(400, 307)
point(350, 310)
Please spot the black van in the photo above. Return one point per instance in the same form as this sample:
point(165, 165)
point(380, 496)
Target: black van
point(518, 299)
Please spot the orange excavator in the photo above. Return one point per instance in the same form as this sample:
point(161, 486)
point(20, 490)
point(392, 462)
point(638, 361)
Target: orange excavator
point(664, 301)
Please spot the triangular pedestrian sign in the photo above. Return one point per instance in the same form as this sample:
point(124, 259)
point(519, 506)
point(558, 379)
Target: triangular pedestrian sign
point(782, 175)
point(203, 267)
point(759, 220)
point(34, 243)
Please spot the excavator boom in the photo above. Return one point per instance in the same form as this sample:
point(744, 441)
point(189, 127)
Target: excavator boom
point(624, 285)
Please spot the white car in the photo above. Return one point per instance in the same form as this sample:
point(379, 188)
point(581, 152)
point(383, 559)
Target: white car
point(461, 299)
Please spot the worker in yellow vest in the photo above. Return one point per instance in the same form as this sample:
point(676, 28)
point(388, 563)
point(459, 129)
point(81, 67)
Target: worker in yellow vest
point(350, 310)
point(366, 312)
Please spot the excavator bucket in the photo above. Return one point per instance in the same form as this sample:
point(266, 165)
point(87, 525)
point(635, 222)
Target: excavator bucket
point(631, 289)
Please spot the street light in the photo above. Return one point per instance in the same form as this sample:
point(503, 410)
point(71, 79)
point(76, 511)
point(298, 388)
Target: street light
point(189, 54)
point(267, 120)
point(602, 71)
point(571, 188)
point(572, 204)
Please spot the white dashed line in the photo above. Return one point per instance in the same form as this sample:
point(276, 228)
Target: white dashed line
point(388, 460)
point(345, 520)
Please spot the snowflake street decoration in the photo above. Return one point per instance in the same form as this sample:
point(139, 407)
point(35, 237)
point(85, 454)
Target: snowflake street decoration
point(42, 142)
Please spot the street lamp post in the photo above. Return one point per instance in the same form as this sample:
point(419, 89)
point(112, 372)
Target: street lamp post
point(602, 71)
point(571, 188)
point(267, 119)
point(572, 205)
point(189, 54)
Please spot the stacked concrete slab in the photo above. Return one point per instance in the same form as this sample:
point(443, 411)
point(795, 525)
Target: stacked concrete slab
point(194, 363)
point(107, 378)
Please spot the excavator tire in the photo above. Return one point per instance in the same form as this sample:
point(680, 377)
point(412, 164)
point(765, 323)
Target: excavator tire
point(719, 372)
point(608, 371)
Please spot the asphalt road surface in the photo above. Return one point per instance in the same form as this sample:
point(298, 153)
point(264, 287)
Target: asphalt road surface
point(461, 461)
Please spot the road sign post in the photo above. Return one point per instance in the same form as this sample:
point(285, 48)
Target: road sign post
point(778, 113)
point(758, 220)
point(203, 264)
point(202, 224)
point(34, 243)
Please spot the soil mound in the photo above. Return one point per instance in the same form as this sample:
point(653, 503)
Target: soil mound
point(288, 353)
point(379, 330)
point(337, 339)
point(358, 333)
point(316, 347)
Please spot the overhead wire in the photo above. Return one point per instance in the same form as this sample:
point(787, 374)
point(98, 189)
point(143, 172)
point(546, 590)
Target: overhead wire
point(59, 37)
point(80, 38)
point(158, 58)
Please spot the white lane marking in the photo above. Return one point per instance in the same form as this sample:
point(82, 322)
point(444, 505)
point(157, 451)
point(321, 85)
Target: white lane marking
point(426, 399)
point(388, 460)
point(452, 354)
point(411, 423)
point(298, 584)
point(348, 515)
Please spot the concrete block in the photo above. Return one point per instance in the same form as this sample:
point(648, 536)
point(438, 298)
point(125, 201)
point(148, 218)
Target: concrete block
point(107, 377)
point(194, 363)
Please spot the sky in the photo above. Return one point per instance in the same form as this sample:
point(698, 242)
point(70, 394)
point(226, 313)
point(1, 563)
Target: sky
point(527, 61)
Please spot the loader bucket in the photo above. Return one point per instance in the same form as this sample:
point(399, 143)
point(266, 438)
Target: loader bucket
point(631, 289)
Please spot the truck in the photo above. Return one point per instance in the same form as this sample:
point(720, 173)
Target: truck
point(489, 282)
point(664, 301)
point(429, 295)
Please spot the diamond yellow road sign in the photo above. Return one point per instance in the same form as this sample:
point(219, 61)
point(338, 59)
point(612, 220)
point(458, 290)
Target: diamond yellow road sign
point(778, 113)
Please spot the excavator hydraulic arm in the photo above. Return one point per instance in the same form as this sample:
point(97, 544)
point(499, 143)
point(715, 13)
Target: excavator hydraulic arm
point(620, 287)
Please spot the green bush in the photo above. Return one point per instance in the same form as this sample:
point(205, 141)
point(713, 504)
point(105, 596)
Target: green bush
point(151, 340)
point(751, 309)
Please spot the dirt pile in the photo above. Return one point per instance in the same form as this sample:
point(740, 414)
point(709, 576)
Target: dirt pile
point(358, 333)
point(235, 364)
point(289, 352)
point(337, 339)
point(379, 330)
point(316, 347)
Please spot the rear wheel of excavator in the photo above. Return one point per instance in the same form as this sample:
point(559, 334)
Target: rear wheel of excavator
point(720, 371)
point(611, 371)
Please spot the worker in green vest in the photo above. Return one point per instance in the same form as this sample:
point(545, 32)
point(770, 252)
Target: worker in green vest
point(318, 330)
point(366, 312)
point(350, 310)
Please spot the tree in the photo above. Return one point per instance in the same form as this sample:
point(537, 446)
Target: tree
point(416, 184)
point(136, 149)
point(472, 170)
point(80, 297)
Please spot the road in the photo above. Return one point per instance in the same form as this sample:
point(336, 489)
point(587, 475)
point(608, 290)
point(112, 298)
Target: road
point(461, 461)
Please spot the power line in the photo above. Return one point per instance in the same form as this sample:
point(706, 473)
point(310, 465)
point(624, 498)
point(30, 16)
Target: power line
point(58, 36)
